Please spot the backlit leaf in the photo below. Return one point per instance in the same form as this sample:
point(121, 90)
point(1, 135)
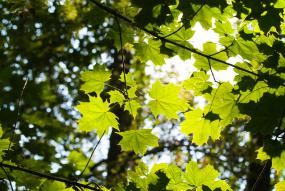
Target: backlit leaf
point(96, 116)
point(137, 140)
point(201, 128)
point(116, 97)
point(166, 100)
point(95, 80)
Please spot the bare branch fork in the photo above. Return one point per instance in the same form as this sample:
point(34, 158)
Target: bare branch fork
point(118, 15)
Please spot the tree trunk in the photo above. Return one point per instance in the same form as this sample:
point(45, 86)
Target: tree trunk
point(258, 176)
point(115, 165)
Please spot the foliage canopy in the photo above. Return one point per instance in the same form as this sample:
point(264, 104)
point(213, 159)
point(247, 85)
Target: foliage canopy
point(74, 75)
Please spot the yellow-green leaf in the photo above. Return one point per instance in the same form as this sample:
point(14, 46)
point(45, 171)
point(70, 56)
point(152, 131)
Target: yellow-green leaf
point(95, 80)
point(166, 100)
point(200, 127)
point(129, 79)
point(261, 155)
point(96, 116)
point(132, 106)
point(116, 97)
point(280, 186)
point(138, 140)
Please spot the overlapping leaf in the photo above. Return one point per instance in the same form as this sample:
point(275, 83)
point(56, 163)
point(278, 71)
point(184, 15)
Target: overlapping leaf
point(206, 176)
point(202, 63)
point(166, 100)
point(96, 116)
point(95, 80)
point(201, 128)
point(137, 140)
point(198, 82)
point(151, 51)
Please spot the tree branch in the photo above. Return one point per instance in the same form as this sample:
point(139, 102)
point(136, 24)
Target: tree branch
point(116, 14)
point(50, 177)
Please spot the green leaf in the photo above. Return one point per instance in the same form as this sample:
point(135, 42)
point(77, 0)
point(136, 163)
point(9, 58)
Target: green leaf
point(223, 28)
point(4, 143)
point(78, 160)
point(1, 131)
point(166, 100)
point(205, 16)
point(206, 176)
point(280, 4)
point(137, 140)
point(198, 82)
point(132, 106)
point(96, 116)
point(278, 163)
point(223, 103)
point(151, 51)
point(268, 115)
point(247, 49)
point(281, 61)
point(176, 180)
point(94, 81)
point(116, 97)
point(255, 94)
point(49, 185)
point(132, 92)
point(202, 63)
point(201, 128)
point(280, 186)
point(261, 155)
point(129, 79)
point(181, 37)
point(141, 177)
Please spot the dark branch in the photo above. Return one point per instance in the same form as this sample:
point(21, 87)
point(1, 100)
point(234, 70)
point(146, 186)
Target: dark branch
point(183, 24)
point(116, 14)
point(210, 66)
point(8, 177)
point(50, 177)
point(94, 149)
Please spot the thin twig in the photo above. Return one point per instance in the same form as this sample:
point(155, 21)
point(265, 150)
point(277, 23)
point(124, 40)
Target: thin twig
point(115, 13)
point(94, 149)
point(8, 177)
point(259, 176)
point(18, 115)
point(123, 62)
point(122, 54)
point(210, 66)
point(174, 32)
point(50, 177)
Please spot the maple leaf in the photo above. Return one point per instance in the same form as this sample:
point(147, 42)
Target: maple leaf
point(176, 180)
point(198, 82)
point(151, 51)
point(201, 128)
point(129, 79)
point(132, 106)
point(137, 140)
point(96, 116)
point(166, 100)
point(116, 97)
point(223, 102)
point(95, 80)
point(206, 176)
